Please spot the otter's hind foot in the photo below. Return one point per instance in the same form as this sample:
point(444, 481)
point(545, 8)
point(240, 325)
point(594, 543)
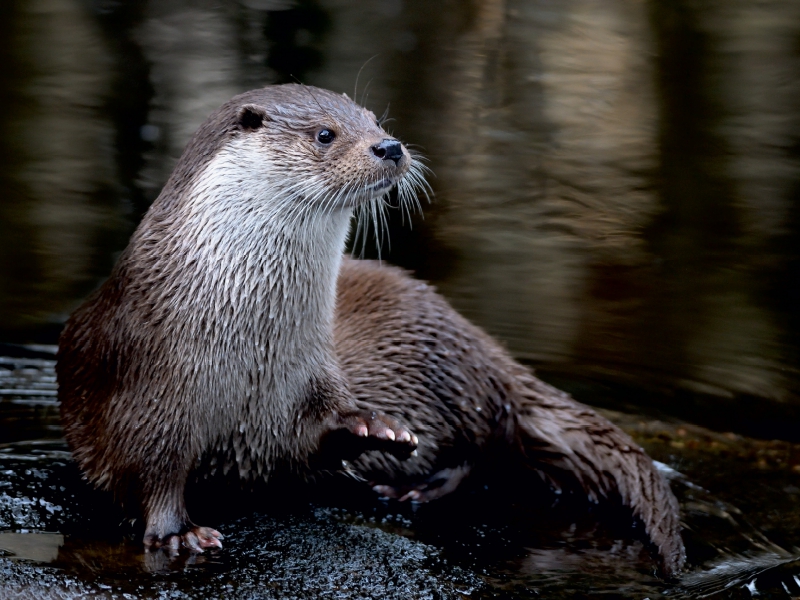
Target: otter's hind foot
point(195, 539)
point(437, 485)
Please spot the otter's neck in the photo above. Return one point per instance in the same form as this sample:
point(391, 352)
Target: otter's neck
point(246, 266)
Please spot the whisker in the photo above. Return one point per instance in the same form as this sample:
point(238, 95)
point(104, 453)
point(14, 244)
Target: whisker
point(365, 94)
point(355, 88)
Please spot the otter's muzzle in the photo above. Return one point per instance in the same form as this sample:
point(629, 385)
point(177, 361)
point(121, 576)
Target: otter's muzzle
point(389, 150)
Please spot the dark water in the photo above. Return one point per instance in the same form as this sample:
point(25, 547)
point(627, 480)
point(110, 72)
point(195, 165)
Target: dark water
point(617, 199)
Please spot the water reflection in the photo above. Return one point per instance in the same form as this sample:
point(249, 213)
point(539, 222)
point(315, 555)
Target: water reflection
point(555, 175)
point(57, 175)
point(614, 182)
point(38, 547)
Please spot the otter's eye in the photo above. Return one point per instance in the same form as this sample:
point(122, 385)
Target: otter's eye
point(326, 136)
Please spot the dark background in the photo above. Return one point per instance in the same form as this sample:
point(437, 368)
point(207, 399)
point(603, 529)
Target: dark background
point(617, 183)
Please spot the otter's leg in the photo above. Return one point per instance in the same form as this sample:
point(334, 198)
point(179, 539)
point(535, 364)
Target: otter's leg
point(167, 523)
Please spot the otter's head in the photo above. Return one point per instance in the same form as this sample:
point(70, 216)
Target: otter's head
point(302, 149)
point(328, 149)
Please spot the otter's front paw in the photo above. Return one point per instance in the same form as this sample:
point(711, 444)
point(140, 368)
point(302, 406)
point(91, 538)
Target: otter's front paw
point(356, 432)
point(195, 539)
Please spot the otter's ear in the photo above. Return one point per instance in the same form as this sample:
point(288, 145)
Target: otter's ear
point(251, 117)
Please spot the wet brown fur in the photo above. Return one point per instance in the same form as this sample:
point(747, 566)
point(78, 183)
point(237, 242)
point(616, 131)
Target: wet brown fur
point(214, 337)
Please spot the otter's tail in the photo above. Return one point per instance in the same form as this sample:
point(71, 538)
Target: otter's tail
point(571, 444)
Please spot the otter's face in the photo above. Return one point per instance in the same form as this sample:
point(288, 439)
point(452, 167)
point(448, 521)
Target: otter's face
point(322, 148)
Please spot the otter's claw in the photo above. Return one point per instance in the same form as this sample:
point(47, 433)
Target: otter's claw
point(437, 485)
point(356, 432)
point(196, 540)
point(382, 432)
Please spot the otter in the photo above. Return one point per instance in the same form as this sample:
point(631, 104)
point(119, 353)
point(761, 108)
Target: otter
point(233, 334)
point(213, 335)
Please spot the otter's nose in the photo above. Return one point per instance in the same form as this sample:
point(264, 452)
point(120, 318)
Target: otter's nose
point(388, 150)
